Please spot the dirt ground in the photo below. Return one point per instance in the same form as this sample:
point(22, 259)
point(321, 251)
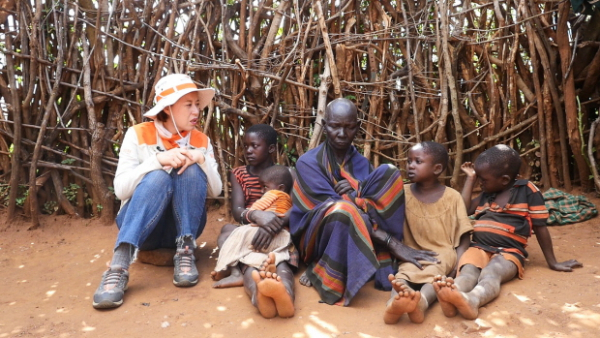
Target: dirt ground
point(49, 275)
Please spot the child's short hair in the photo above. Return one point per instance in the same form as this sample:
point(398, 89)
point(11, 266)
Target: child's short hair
point(265, 132)
point(437, 151)
point(278, 174)
point(501, 160)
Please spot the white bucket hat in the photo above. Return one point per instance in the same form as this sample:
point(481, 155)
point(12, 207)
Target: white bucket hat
point(171, 88)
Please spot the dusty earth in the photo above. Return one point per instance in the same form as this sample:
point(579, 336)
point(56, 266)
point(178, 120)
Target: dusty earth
point(49, 275)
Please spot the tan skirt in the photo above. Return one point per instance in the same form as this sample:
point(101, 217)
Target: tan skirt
point(237, 248)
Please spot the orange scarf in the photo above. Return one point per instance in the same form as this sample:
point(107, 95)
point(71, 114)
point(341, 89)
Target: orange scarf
point(171, 143)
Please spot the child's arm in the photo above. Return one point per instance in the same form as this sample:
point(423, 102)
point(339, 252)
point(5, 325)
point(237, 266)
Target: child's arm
point(469, 169)
point(543, 237)
point(237, 198)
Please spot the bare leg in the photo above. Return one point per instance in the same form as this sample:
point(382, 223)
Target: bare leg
point(225, 232)
point(232, 276)
point(279, 287)
point(404, 300)
point(498, 271)
point(428, 297)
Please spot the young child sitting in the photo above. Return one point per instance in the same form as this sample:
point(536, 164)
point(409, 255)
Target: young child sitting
point(277, 183)
point(505, 214)
point(436, 220)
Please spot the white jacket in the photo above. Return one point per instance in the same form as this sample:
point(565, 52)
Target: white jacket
point(137, 157)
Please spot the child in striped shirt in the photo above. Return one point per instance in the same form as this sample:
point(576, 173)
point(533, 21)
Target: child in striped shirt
point(506, 213)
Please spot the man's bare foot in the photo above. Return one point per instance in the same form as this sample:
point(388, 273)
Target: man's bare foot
point(269, 264)
point(406, 301)
point(452, 300)
point(269, 285)
point(227, 280)
point(304, 280)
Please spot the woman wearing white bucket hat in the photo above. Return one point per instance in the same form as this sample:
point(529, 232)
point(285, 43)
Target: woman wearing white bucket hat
point(166, 169)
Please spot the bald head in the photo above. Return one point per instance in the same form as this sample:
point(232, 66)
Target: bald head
point(341, 107)
point(340, 125)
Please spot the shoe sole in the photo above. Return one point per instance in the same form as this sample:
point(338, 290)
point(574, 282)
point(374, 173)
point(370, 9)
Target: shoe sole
point(185, 283)
point(106, 304)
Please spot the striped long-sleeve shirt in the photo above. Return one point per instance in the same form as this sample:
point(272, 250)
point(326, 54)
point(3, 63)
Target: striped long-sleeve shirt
point(508, 228)
point(274, 200)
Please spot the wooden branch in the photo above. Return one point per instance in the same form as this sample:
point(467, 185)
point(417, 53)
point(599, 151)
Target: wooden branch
point(590, 153)
point(322, 104)
point(325, 35)
point(62, 200)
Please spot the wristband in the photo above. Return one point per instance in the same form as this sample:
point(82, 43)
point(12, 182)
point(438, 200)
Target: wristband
point(248, 216)
point(243, 216)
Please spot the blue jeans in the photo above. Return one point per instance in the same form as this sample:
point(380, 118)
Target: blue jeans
point(164, 209)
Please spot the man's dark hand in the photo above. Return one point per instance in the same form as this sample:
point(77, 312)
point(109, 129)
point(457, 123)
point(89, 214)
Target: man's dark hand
point(343, 187)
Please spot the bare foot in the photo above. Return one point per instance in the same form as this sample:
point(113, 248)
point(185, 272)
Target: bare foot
point(218, 275)
point(269, 285)
point(406, 301)
point(233, 279)
point(266, 305)
point(269, 264)
point(452, 300)
point(304, 280)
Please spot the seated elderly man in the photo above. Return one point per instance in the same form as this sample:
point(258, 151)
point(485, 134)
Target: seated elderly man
point(347, 219)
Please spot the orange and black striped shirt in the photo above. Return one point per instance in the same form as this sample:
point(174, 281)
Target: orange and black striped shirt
point(250, 185)
point(509, 228)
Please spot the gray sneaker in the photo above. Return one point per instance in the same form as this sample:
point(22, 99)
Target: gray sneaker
point(111, 289)
point(185, 273)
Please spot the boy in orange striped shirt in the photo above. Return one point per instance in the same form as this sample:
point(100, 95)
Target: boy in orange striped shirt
point(506, 213)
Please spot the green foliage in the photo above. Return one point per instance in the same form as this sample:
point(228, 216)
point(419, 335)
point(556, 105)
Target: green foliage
point(70, 191)
point(68, 161)
point(50, 207)
point(21, 196)
point(20, 200)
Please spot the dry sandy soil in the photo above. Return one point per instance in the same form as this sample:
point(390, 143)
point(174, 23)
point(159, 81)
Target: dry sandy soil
point(49, 275)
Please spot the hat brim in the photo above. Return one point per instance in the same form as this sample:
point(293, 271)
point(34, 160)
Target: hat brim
point(205, 95)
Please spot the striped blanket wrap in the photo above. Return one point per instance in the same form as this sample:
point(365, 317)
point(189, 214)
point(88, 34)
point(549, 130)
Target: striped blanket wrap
point(332, 231)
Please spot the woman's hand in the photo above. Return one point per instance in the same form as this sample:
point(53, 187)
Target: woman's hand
point(267, 220)
point(173, 158)
point(193, 156)
point(343, 187)
point(180, 158)
point(408, 254)
point(261, 240)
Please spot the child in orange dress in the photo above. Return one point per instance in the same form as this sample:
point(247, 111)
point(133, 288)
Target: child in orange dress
point(436, 220)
